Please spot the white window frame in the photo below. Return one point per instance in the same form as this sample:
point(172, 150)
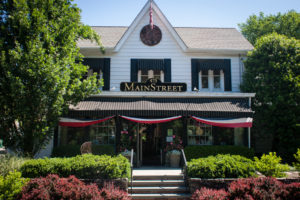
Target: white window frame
point(211, 87)
point(150, 75)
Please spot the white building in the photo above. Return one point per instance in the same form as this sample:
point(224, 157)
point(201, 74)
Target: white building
point(157, 72)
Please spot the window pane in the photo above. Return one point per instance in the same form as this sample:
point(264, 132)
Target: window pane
point(204, 81)
point(216, 72)
point(217, 82)
point(156, 72)
point(145, 72)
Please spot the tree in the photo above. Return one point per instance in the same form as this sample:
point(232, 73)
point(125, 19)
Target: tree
point(286, 24)
point(41, 71)
point(273, 73)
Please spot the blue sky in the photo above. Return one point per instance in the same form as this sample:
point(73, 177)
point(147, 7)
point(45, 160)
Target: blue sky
point(182, 13)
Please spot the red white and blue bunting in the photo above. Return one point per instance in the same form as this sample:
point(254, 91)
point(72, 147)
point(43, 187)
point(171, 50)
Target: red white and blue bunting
point(150, 121)
point(80, 123)
point(229, 123)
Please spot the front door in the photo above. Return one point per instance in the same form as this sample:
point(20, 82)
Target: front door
point(150, 145)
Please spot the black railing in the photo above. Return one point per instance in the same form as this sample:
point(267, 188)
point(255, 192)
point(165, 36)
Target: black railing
point(131, 167)
point(184, 168)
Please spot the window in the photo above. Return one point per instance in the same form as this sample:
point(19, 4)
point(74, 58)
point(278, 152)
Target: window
point(217, 79)
point(99, 75)
point(144, 75)
point(211, 80)
point(199, 133)
point(103, 133)
point(218, 71)
point(101, 66)
point(204, 80)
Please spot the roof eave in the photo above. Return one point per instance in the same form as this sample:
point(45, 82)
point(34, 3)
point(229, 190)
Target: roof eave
point(176, 95)
point(219, 51)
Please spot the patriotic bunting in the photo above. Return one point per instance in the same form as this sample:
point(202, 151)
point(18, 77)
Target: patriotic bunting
point(151, 121)
point(229, 123)
point(80, 123)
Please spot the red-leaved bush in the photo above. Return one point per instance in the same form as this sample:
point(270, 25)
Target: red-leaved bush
point(209, 194)
point(255, 188)
point(252, 189)
point(52, 187)
point(110, 192)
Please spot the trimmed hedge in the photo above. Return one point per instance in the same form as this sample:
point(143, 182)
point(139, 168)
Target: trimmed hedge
point(194, 152)
point(72, 150)
point(221, 166)
point(69, 150)
point(85, 166)
point(103, 149)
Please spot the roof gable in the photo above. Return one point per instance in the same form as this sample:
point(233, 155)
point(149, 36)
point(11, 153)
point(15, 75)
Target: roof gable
point(139, 17)
point(189, 39)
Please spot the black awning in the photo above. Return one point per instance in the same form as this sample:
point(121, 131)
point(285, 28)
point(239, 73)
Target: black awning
point(161, 107)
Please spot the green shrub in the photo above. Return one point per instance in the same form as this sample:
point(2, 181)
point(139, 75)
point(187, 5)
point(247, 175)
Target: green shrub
point(221, 166)
point(103, 149)
point(85, 166)
point(9, 163)
point(69, 150)
point(297, 157)
point(11, 185)
point(269, 165)
point(72, 150)
point(194, 152)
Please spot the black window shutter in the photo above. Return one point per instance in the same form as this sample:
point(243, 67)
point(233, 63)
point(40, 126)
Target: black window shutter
point(227, 75)
point(195, 76)
point(106, 74)
point(134, 71)
point(167, 70)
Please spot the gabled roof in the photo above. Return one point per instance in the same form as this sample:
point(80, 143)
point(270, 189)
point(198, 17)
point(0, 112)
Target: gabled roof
point(191, 39)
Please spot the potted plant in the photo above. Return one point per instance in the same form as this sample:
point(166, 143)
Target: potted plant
point(173, 151)
point(175, 158)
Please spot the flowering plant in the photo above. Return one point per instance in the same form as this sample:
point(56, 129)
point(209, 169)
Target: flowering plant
point(175, 145)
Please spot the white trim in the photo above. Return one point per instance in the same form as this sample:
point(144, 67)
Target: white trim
point(175, 94)
point(139, 17)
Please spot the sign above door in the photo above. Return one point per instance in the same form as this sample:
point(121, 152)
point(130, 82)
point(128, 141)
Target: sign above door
point(152, 85)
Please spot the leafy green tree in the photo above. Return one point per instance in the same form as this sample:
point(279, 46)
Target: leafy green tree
point(41, 71)
point(286, 24)
point(273, 73)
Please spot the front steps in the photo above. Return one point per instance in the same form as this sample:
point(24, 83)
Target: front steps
point(158, 183)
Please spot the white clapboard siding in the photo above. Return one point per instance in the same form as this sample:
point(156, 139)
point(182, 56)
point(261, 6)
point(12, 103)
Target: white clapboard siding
point(167, 48)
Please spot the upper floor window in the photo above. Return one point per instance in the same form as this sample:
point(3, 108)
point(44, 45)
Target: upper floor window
point(211, 75)
point(144, 69)
point(99, 75)
point(100, 66)
point(144, 75)
point(211, 80)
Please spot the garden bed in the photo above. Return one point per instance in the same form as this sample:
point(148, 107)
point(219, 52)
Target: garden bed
point(223, 183)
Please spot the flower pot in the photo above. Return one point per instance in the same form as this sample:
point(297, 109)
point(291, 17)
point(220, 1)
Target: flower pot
point(174, 160)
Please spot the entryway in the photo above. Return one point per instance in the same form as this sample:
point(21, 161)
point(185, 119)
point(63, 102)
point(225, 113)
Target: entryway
point(150, 145)
point(158, 183)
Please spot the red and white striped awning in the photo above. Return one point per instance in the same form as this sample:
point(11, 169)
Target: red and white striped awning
point(229, 123)
point(80, 123)
point(151, 121)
